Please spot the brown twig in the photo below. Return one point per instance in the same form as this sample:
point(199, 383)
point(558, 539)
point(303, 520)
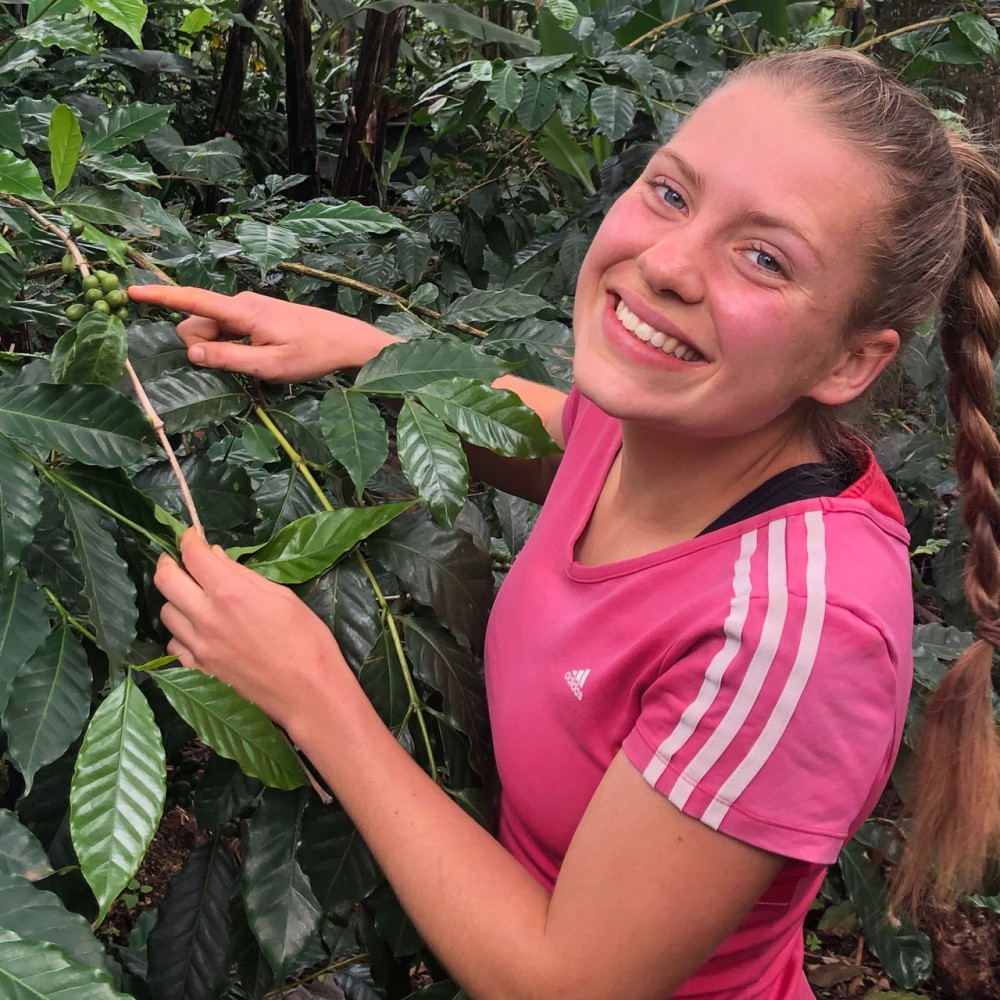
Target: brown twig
point(673, 22)
point(147, 406)
point(906, 29)
point(148, 264)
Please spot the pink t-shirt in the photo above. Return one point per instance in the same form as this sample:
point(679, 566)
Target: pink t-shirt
point(757, 676)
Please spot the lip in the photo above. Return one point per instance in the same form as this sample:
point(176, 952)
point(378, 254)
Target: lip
point(628, 343)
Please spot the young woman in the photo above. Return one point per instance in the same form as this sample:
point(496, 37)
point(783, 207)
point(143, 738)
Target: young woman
point(712, 701)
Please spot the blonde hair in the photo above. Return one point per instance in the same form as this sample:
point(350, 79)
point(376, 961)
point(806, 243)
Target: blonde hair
point(931, 249)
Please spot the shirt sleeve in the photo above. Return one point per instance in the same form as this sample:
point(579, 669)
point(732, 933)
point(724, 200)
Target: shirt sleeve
point(781, 733)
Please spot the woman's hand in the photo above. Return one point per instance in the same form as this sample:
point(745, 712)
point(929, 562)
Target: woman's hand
point(256, 635)
point(288, 342)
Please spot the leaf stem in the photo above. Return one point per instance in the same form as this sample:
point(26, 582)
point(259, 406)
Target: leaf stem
point(296, 459)
point(69, 619)
point(680, 19)
point(905, 30)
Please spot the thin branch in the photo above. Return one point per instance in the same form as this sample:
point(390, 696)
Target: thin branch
point(147, 406)
point(680, 19)
point(905, 30)
point(148, 264)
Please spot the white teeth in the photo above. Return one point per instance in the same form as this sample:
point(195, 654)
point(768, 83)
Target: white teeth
point(654, 337)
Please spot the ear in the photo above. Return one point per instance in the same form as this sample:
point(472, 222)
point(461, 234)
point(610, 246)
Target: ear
point(857, 368)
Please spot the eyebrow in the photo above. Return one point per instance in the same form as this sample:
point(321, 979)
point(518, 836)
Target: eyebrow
point(685, 168)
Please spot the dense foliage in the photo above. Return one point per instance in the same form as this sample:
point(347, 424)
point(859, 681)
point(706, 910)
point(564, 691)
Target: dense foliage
point(354, 491)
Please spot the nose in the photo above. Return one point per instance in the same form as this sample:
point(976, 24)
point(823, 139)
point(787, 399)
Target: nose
point(677, 263)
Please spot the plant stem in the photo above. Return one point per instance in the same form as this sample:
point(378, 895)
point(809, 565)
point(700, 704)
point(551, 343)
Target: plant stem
point(680, 19)
point(416, 705)
point(148, 264)
point(905, 30)
point(69, 619)
point(144, 403)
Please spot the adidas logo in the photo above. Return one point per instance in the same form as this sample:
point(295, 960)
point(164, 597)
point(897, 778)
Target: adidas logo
point(576, 679)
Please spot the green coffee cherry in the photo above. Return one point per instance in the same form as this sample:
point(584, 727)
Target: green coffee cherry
point(92, 295)
point(116, 298)
point(76, 312)
point(91, 281)
point(101, 306)
point(109, 282)
point(68, 264)
point(76, 228)
point(175, 317)
point(122, 314)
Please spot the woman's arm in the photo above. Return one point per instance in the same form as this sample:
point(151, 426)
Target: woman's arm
point(645, 894)
point(289, 342)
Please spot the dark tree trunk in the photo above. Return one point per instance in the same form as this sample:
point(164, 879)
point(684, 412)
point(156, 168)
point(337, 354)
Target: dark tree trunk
point(226, 116)
point(360, 162)
point(300, 102)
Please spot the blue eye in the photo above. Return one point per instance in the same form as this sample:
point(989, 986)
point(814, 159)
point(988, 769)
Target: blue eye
point(671, 197)
point(765, 261)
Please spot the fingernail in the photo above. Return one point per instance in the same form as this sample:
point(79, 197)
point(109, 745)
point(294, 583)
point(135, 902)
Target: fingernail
point(197, 355)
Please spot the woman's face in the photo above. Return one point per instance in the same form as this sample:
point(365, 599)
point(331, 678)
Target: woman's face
point(716, 292)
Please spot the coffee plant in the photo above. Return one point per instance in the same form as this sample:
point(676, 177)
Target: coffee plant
point(354, 490)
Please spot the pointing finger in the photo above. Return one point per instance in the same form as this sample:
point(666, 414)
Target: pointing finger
point(193, 300)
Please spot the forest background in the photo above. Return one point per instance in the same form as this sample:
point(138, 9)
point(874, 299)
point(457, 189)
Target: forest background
point(437, 169)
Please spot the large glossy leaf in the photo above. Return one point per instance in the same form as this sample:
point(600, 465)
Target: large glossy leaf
point(106, 207)
point(129, 15)
point(433, 460)
point(37, 970)
point(117, 794)
point(48, 704)
point(493, 306)
point(284, 914)
point(439, 661)
point(335, 858)
point(311, 545)
point(91, 423)
point(614, 109)
point(355, 432)
point(109, 592)
point(381, 679)
point(38, 915)
point(298, 420)
point(190, 945)
point(442, 568)
point(538, 101)
point(92, 351)
point(20, 852)
point(491, 418)
point(231, 726)
point(413, 256)
point(65, 140)
point(20, 177)
point(126, 124)
point(321, 219)
point(283, 497)
point(23, 626)
point(155, 348)
point(266, 245)
point(904, 951)
point(455, 18)
point(190, 398)
point(414, 364)
point(223, 791)
point(516, 517)
point(506, 89)
point(344, 599)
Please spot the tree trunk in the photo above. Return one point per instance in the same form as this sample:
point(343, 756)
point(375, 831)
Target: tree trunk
point(360, 162)
point(300, 102)
point(226, 116)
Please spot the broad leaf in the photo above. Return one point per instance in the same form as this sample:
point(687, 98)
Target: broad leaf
point(223, 791)
point(93, 351)
point(126, 124)
point(21, 503)
point(433, 460)
point(20, 852)
point(516, 517)
point(266, 245)
point(189, 399)
point(401, 367)
point(65, 140)
point(129, 15)
point(979, 31)
point(312, 544)
point(122, 168)
point(38, 915)
point(283, 912)
point(108, 589)
point(442, 568)
point(483, 306)
point(321, 219)
point(38, 970)
point(282, 498)
point(538, 101)
point(381, 679)
point(190, 945)
point(614, 109)
point(155, 348)
point(118, 790)
point(23, 626)
point(413, 255)
point(344, 599)
point(48, 704)
point(93, 424)
point(20, 177)
point(491, 418)
point(231, 726)
point(107, 207)
point(506, 89)
point(355, 432)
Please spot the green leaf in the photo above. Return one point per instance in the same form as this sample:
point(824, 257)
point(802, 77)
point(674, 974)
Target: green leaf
point(129, 15)
point(355, 432)
point(905, 952)
point(10, 130)
point(189, 946)
point(223, 791)
point(91, 423)
point(231, 726)
point(93, 351)
point(413, 255)
point(267, 245)
point(190, 399)
point(452, 17)
point(6, 248)
point(443, 568)
point(24, 624)
point(559, 147)
point(537, 102)
point(432, 459)
point(614, 109)
point(482, 306)
point(65, 140)
point(107, 587)
point(21, 503)
point(38, 915)
point(381, 678)
point(20, 852)
point(517, 517)
point(991, 903)
point(283, 912)
point(48, 704)
point(122, 168)
point(344, 599)
point(106, 207)
point(564, 11)
point(506, 89)
point(979, 31)
point(320, 219)
point(38, 970)
point(491, 418)
point(417, 363)
point(117, 794)
point(20, 177)
point(312, 544)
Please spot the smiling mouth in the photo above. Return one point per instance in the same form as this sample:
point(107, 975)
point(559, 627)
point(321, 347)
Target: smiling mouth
point(653, 337)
